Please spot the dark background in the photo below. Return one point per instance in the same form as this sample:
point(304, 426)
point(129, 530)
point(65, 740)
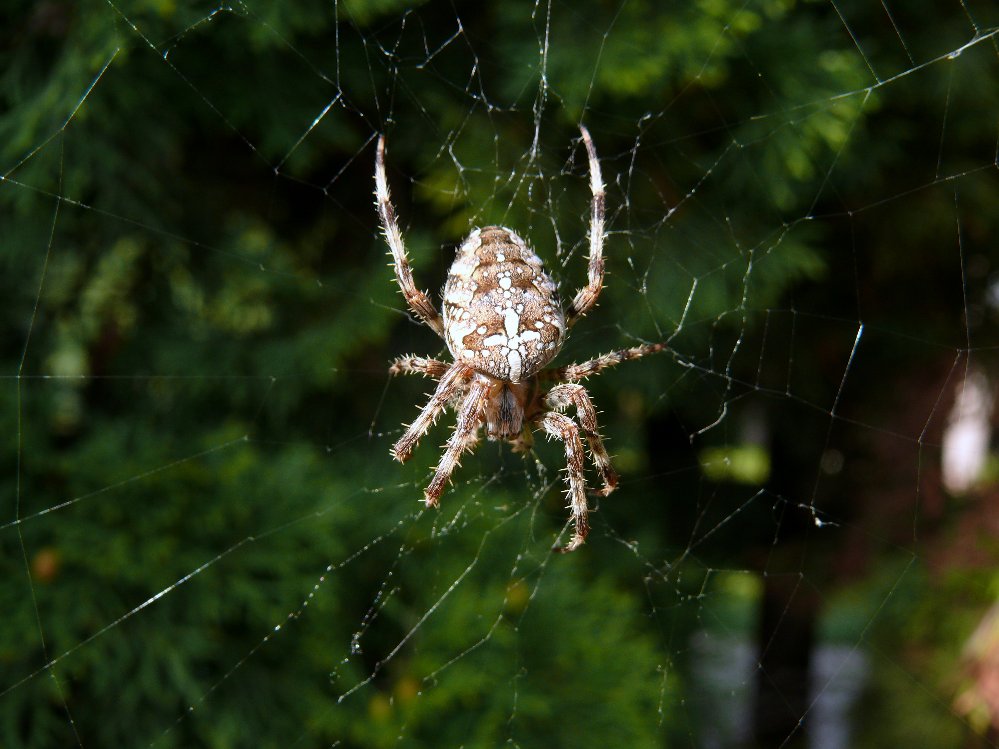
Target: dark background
point(203, 539)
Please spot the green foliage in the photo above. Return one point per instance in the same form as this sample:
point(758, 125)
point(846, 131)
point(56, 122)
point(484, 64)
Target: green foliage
point(204, 541)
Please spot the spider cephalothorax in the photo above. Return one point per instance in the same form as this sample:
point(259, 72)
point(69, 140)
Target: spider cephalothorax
point(503, 323)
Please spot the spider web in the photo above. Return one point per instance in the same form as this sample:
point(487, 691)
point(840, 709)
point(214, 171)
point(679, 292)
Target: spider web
point(205, 539)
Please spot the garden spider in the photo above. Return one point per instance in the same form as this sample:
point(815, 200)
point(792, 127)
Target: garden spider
point(503, 322)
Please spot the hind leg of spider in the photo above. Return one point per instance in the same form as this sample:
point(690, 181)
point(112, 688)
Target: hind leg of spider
point(463, 438)
point(417, 300)
point(587, 296)
point(569, 395)
point(562, 427)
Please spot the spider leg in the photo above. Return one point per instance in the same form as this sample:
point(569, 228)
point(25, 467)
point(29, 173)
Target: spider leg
point(450, 383)
point(587, 296)
point(561, 426)
point(463, 438)
point(581, 371)
point(418, 365)
point(563, 396)
point(417, 300)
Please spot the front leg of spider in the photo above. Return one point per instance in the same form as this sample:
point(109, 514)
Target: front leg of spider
point(448, 387)
point(562, 427)
point(571, 395)
point(503, 323)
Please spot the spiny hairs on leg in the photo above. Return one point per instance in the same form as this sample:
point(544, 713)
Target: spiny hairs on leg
point(419, 365)
point(450, 384)
point(562, 427)
point(569, 394)
point(417, 300)
point(587, 296)
point(463, 438)
point(575, 372)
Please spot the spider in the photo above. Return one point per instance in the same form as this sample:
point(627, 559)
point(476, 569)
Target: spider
point(503, 323)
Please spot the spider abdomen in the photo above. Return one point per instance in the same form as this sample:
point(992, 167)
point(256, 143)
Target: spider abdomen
point(502, 314)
